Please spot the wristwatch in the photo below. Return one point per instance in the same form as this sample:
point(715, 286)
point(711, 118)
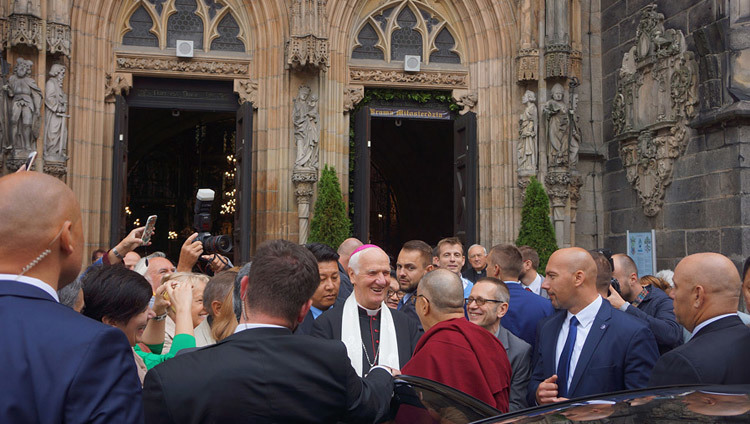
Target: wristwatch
point(161, 317)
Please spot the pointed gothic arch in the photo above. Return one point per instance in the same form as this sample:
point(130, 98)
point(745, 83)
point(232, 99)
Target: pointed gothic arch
point(406, 27)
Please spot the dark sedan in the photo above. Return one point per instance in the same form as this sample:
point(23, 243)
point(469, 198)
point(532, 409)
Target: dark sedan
point(418, 400)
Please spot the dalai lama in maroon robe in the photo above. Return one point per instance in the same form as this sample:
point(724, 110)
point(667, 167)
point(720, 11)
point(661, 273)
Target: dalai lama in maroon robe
point(454, 351)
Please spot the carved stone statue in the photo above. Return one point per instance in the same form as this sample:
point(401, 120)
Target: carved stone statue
point(306, 134)
point(25, 110)
point(556, 25)
point(55, 126)
point(527, 22)
point(556, 115)
point(527, 150)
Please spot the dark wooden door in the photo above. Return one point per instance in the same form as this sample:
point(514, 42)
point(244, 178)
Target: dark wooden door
point(465, 178)
point(119, 172)
point(362, 174)
point(243, 182)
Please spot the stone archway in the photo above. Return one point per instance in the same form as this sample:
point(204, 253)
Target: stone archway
point(486, 31)
point(97, 74)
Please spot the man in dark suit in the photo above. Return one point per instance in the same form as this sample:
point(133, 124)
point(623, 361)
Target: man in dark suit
point(263, 373)
point(706, 293)
point(326, 296)
point(477, 268)
point(525, 309)
point(588, 347)
point(487, 305)
point(372, 332)
point(648, 303)
point(413, 262)
point(58, 366)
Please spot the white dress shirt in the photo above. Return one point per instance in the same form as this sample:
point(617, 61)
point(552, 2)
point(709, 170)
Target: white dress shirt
point(32, 282)
point(536, 285)
point(585, 319)
point(243, 327)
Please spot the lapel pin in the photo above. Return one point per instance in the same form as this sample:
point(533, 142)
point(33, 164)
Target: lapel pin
point(603, 326)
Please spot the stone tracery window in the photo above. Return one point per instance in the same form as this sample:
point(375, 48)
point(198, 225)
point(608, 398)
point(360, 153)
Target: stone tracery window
point(406, 27)
point(212, 25)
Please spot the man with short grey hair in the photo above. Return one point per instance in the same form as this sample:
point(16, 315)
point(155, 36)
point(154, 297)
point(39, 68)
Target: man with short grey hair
point(486, 306)
point(477, 263)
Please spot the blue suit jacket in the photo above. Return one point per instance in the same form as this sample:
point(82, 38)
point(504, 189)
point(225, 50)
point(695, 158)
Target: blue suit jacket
point(59, 366)
point(618, 354)
point(525, 310)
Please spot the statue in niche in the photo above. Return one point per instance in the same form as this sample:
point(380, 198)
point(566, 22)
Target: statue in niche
point(575, 135)
point(26, 99)
point(305, 117)
point(55, 126)
point(528, 132)
point(527, 23)
point(556, 13)
point(556, 115)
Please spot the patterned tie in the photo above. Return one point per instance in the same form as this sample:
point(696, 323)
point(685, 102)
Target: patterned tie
point(563, 365)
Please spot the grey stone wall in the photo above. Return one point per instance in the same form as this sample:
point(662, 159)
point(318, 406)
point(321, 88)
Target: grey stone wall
point(706, 204)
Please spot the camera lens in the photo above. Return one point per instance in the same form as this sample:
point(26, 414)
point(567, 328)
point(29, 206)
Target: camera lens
point(217, 244)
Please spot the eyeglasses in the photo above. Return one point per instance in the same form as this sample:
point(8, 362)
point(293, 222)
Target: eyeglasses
point(480, 301)
point(397, 293)
point(413, 299)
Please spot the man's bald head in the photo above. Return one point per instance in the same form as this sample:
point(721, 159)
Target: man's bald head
point(440, 297)
point(444, 289)
point(345, 250)
point(40, 212)
point(571, 279)
point(705, 285)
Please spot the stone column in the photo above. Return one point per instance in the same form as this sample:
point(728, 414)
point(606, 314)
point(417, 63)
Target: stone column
point(558, 181)
point(575, 195)
point(304, 181)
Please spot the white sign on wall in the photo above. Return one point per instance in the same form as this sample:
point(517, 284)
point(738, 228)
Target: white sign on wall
point(642, 249)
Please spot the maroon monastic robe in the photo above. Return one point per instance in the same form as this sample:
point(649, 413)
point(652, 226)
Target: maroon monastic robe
point(464, 356)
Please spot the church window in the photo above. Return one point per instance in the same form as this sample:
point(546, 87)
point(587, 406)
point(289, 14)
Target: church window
point(140, 34)
point(444, 42)
point(228, 32)
point(368, 38)
point(185, 24)
point(406, 40)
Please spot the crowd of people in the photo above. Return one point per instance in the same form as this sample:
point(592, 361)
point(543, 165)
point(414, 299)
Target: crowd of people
point(312, 334)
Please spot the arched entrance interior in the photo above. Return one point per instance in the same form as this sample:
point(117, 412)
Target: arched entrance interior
point(415, 162)
point(173, 138)
point(174, 135)
point(415, 175)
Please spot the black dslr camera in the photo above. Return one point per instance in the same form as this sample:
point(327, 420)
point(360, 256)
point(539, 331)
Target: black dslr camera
point(202, 224)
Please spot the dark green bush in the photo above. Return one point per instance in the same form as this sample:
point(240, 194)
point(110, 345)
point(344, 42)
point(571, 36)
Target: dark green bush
point(330, 223)
point(536, 227)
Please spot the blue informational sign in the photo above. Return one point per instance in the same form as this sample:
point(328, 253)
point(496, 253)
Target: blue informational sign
point(642, 249)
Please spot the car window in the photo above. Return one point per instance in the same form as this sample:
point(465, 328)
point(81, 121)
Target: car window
point(423, 401)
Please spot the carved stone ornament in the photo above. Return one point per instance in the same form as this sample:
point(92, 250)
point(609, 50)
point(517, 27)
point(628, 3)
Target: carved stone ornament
point(558, 183)
point(307, 47)
point(56, 169)
point(523, 183)
point(353, 94)
point(117, 85)
point(3, 32)
point(26, 30)
point(58, 38)
point(527, 64)
point(194, 66)
point(467, 102)
point(387, 77)
point(655, 99)
point(13, 163)
point(576, 182)
point(307, 52)
point(247, 89)
point(557, 60)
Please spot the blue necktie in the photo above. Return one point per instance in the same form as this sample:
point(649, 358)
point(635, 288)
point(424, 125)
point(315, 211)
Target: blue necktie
point(563, 365)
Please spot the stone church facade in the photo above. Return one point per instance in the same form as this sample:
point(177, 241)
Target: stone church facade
point(633, 114)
